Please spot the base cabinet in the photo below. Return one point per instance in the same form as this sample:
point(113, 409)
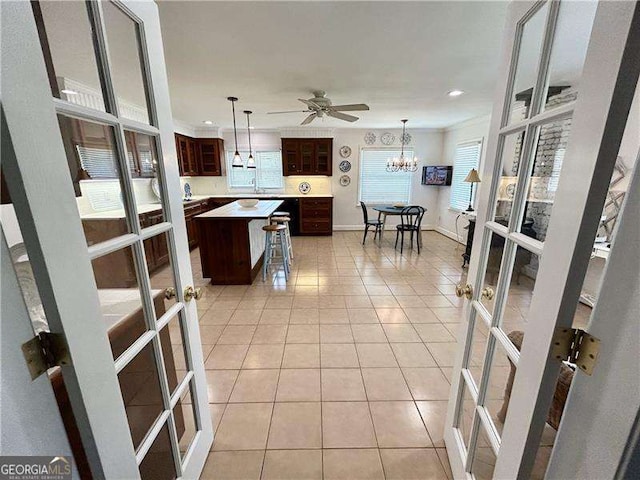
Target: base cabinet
point(316, 216)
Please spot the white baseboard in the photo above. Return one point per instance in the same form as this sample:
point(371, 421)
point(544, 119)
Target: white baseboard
point(340, 228)
point(450, 234)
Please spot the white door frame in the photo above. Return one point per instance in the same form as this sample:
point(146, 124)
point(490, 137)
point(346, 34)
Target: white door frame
point(599, 115)
point(30, 418)
point(609, 400)
point(43, 197)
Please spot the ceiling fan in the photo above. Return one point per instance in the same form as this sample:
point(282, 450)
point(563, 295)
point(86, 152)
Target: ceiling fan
point(320, 105)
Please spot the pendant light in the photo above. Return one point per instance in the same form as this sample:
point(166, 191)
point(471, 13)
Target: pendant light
point(402, 164)
point(237, 161)
point(251, 163)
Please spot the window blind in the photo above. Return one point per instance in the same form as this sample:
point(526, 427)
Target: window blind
point(268, 172)
point(98, 162)
point(467, 156)
point(377, 186)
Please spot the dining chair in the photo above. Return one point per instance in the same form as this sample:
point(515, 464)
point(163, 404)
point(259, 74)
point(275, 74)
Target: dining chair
point(377, 224)
point(410, 221)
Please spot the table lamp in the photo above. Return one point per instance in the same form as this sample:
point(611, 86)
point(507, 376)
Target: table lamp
point(472, 177)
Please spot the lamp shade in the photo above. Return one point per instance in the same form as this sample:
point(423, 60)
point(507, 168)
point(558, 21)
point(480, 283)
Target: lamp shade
point(472, 176)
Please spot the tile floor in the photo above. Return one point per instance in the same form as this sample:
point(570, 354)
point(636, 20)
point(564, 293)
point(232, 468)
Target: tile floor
point(343, 371)
point(340, 373)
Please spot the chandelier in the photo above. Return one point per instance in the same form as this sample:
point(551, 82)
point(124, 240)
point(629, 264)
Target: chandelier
point(402, 164)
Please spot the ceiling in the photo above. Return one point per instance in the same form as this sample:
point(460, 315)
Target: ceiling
point(401, 58)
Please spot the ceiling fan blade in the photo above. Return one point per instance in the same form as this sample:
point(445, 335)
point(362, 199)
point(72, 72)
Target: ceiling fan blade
point(354, 107)
point(309, 103)
point(288, 111)
point(342, 116)
point(309, 119)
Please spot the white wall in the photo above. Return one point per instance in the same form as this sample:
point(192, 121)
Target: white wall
point(477, 128)
point(427, 146)
point(347, 215)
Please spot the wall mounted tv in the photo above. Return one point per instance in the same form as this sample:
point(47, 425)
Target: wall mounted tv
point(437, 175)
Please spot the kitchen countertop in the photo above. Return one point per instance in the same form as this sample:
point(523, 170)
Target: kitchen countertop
point(268, 195)
point(264, 209)
point(156, 207)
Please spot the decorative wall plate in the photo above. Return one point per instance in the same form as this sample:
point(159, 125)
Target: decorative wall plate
point(387, 138)
point(345, 180)
point(370, 138)
point(304, 187)
point(345, 151)
point(345, 166)
point(405, 139)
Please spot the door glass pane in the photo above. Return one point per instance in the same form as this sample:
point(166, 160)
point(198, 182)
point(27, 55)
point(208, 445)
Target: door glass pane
point(173, 352)
point(568, 52)
point(158, 462)
point(478, 349)
point(492, 269)
point(120, 298)
point(484, 460)
point(66, 37)
point(93, 165)
point(527, 65)
point(126, 63)
point(520, 290)
point(142, 159)
point(466, 414)
point(141, 393)
point(545, 177)
point(184, 416)
point(498, 395)
point(510, 163)
point(156, 251)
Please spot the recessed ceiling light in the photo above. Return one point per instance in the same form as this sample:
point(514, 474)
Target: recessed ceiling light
point(67, 91)
point(455, 93)
point(207, 122)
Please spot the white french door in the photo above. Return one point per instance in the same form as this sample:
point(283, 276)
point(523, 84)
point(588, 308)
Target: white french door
point(567, 80)
point(93, 179)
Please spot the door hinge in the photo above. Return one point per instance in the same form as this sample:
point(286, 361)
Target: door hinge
point(576, 346)
point(44, 351)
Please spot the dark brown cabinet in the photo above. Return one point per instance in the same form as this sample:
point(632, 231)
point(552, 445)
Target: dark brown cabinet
point(187, 160)
point(211, 151)
point(316, 216)
point(307, 156)
point(199, 156)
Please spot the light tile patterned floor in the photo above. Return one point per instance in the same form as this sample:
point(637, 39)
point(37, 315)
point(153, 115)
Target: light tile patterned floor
point(339, 373)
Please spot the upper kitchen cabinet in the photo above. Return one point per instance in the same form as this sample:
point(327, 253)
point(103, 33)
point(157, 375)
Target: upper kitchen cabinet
point(187, 161)
point(211, 150)
point(199, 156)
point(307, 156)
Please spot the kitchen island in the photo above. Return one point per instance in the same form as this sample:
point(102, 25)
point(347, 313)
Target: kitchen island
point(232, 241)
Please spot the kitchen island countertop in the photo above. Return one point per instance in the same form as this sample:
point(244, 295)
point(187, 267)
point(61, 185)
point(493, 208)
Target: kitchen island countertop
point(264, 209)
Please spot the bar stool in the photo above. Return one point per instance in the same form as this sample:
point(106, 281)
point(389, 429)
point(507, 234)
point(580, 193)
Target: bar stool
point(284, 219)
point(273, 233)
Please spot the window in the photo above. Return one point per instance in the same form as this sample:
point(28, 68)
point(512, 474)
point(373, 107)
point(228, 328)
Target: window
point(467, 156)
point(379, 186)
point(268, 172)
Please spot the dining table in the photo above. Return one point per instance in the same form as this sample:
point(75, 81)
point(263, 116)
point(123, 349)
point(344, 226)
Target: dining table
point(383, 211)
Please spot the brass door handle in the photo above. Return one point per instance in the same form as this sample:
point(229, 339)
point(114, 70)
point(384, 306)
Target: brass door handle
point(487, 292)
point(169, 293)
point(191, 292)
point(466, 290)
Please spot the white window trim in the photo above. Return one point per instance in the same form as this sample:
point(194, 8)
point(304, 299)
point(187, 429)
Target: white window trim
point(390, 149)
point(250, 188)
point(479, 140)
